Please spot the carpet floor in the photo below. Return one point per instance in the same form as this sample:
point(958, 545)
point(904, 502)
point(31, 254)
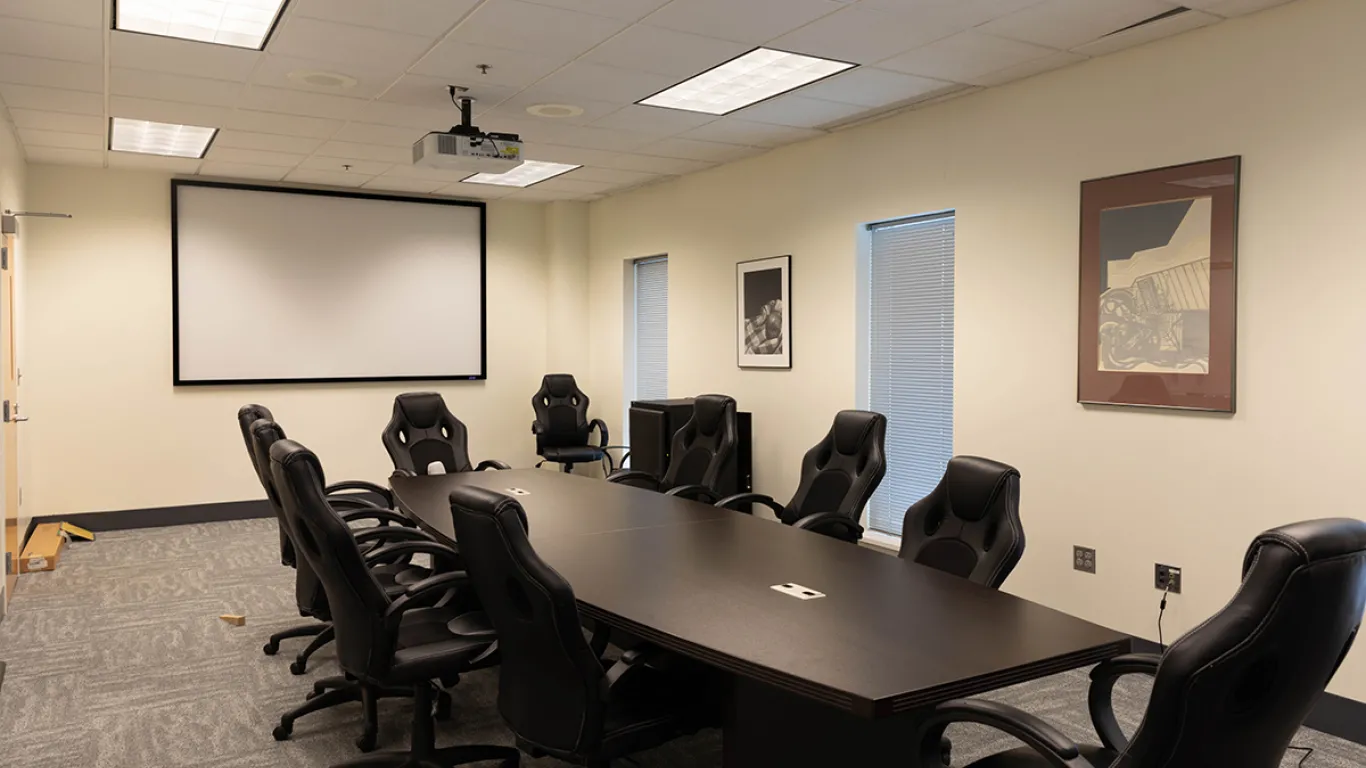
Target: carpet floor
point(118, 660)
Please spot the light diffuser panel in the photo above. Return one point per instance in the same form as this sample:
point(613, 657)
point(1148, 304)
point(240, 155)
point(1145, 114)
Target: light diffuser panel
point(239, 23)
point(760, 74)
point(165, 139)
point(524, 175)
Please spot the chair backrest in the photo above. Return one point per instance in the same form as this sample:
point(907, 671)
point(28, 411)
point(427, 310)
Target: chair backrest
point(1235, 690)
point(308, 591)
point(422, 432)
point(357, 601)
point(561, 413)
point(840, 473)
point(550, 684)
point(969, 525)
point(704, 447)
point(248, 415)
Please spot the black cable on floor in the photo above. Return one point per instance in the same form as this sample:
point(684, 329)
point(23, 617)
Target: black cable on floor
point(1307, 752)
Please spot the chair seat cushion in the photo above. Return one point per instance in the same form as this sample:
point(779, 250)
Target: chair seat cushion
point(428, 648)
point(397, 577)
point(1024, 757)
point(574, 454)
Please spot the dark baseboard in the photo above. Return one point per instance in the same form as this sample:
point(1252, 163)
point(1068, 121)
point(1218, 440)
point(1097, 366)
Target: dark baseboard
point(158, 517)
point(2, 674)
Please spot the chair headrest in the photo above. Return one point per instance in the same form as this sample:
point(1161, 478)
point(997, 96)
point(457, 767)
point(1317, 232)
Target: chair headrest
point(973, 484)
point(420, 409)
point(853, 428)
point(482, 501)
point(709, 411)
point(559, 385)
point(294, 457)
point(1312, 541)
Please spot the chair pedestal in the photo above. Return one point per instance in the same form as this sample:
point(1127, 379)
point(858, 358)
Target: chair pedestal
point(424, 751)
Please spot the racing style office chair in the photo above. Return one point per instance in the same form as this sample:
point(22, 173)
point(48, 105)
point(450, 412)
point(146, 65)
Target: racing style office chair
point(969, 525)
point(700, 454)
point(562, 427)
point(423, 432)
point(839, 475)
point(1234, 691)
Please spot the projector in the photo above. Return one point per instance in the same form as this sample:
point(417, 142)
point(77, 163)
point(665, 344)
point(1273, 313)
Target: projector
point(465, 148)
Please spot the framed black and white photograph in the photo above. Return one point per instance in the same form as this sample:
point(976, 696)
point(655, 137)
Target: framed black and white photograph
point(764, 308)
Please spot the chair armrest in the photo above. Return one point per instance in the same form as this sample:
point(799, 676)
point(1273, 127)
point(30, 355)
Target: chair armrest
point(351, 501)
point(383, 516)
point(1100, 697)
point(739, 501)
point(440, 553)
point(695, 493)
point(537, 428)
point(634, 477)
point(403, 473)
point(391, 533)
point(603, 435)
point(418, 594)
point(1056, 749)
point(491, 464)
point(628, 661)
point(361, 485)
point(831, 524)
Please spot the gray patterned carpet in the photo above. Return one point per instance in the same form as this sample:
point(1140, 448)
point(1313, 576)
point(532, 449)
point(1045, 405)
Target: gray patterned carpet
point(118, 660)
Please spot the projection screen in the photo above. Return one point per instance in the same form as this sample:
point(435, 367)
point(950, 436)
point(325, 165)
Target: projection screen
point(274, 285)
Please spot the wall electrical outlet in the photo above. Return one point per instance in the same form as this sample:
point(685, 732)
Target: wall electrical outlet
point(1168, 578)
point(1084, 559)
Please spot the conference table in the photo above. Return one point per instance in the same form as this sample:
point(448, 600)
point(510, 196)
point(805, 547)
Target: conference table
point(840, 679)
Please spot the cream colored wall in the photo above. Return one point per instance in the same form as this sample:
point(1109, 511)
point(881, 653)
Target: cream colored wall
point(110, 432)
point(1280, 88)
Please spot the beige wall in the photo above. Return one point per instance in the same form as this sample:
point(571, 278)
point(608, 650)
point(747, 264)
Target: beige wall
point(1281, 88)
point(109, 431)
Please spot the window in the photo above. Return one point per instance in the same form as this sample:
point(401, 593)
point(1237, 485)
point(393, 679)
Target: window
point(651, 329)
point(908, 342)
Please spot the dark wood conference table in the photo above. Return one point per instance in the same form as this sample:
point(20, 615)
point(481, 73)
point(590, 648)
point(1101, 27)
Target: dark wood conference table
point(837, 680)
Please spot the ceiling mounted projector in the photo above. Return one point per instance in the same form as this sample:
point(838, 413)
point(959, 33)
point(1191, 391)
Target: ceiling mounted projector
point(466, 148)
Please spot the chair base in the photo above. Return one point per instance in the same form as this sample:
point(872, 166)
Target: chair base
point(300, 664)
point(272, 647)
point(441, 758)
point(334, 691)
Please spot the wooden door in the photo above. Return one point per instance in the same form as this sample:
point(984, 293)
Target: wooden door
point(9, 393)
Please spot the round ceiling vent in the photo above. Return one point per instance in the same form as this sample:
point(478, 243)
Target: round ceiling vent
point(330, 80)
point(555, 110)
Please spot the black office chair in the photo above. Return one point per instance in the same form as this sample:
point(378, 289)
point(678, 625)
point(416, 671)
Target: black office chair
point(969, 525)
point(701, 452)
point(381, 641)
point(562, 427)
point(1234, 691)
point(839, 475)
point(423, 432)
point(552, 689)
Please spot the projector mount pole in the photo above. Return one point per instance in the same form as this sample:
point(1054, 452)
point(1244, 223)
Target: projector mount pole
point(466, 106)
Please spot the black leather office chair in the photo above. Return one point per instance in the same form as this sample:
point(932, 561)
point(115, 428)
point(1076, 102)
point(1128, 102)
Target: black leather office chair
point(423, 432)
point(1234, 691)
point(969, 525)
point(381, 641)
point(701, 451)
point(553, 691)
point(562, 427)
point(839, 475)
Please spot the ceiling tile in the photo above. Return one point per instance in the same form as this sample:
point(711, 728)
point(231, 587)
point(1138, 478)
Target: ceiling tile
point(51, 41)
point(665, 52)
point(328, 178)
point(34, 138)
point(263, 99)
point(338, 165)
point(457, 62)
point(51, 73)
point(614, 176)
point(589, 137)
point(1069, 23)
point(537, 195)
point(418, 17)
point(73, 13)
point(432, 93)
point(862, 35)
point(350, 45)
point(385, 135)
point(242, 171)
point(959, 14)
point(58, 156)
point(870, 87)
point(384, 113)
point(377, 153)
point(165, 86)
point(254, 156)
point(218, 62)
point(566, 184)
point(1030, 68)
point(800, 112)
point(626, 10)
point(965, 57)
point(266, 141)
point(538, 29)
point(733, 130)
point(652, 164)
point(653, 120)
point(692, 149)
point(587, 80)
point(1231, 8)
point(169, 111)
point(427, 174)
point(398, 184)
point(52, 99)
point(476, 191)
point(137, 162)
point(58, 121)
point(514, 109)
point(556, 153)
point(1147, 33)
point(275, 70)
point(743, 22)
point(287, 125)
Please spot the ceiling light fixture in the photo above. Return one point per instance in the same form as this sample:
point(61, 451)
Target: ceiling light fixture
point(749, 79)
point(554, 111)
point(237, 23)
point(524, 175)
point(165, 139)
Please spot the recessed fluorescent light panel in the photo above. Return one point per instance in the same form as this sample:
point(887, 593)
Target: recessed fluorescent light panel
point(164, 139)
point(760, 74)
point(238, 23)
point(524, 175)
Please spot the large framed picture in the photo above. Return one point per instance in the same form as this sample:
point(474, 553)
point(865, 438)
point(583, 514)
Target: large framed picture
point(764, 307)
point(1159, 285)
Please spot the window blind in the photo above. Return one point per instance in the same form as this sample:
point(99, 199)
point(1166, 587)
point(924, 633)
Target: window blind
point(652, 329)
point(910, 374)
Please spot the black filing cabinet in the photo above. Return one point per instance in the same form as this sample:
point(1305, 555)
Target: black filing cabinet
point(653, 424)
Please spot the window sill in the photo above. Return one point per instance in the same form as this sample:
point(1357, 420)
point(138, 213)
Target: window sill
point(885, 542)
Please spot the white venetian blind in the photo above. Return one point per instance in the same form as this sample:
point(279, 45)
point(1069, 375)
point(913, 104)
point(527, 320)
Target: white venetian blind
point(652, 329)
point(910, 373)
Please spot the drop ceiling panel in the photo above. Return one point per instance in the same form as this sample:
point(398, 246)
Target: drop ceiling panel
point(242, 171)
point(476, 191)
point(653, 120)
point(734, 130)
point(1069, 23)
point(357, 47)
point(959, 14)
point(661, 165)
point(219, 62)
point(365, 168)
point(1030, 68)
point(386, 135)
point(557, 153)
point(427, 174)
point(1231, 8)
point(35, 138)
point(275, 70)
point(384, 113)
point(1147, 33)
point(965, 57)
point(626, 10)
point(538, 195)
point(51, 73)
point(870, 87)
point(165, 86)
point(588, 137)
point(418, 17)
point(397, 184)
point(692, 149)
point(138, 162)
point(219, 154)
point(861, 35)
point(373, 152)
point(327, 178)
point(51, 41)
point(287, 125)
point(665, 52)
point(74, 13)
point(430, 92)
point(457, 62)
point(51, 99)
point(567, 184)
point(58, 121)
point(614, 176)
point(263, 99)
point(799, 112)
point(515, 109)
point(596, 81)
point(268, 142)
point(168, 111)
point(750, 22)
point(538, 29)
point(57, 156)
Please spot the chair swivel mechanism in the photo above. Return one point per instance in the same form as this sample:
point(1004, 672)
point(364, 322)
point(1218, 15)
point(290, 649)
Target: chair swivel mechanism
point(699, 455)
point(562, 428)
point(423, 433)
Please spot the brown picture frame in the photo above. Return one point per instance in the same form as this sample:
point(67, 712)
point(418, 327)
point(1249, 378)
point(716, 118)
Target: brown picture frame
point(1168, 338)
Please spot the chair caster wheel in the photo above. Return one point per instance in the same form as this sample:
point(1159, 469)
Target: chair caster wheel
point(443, 707)
point(271, 648)
point(367, 742)
point(298, 667)
point(282, 732)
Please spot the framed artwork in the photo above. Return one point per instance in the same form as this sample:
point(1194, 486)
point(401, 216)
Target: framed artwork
point(1159, 288)
point(764, 307)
